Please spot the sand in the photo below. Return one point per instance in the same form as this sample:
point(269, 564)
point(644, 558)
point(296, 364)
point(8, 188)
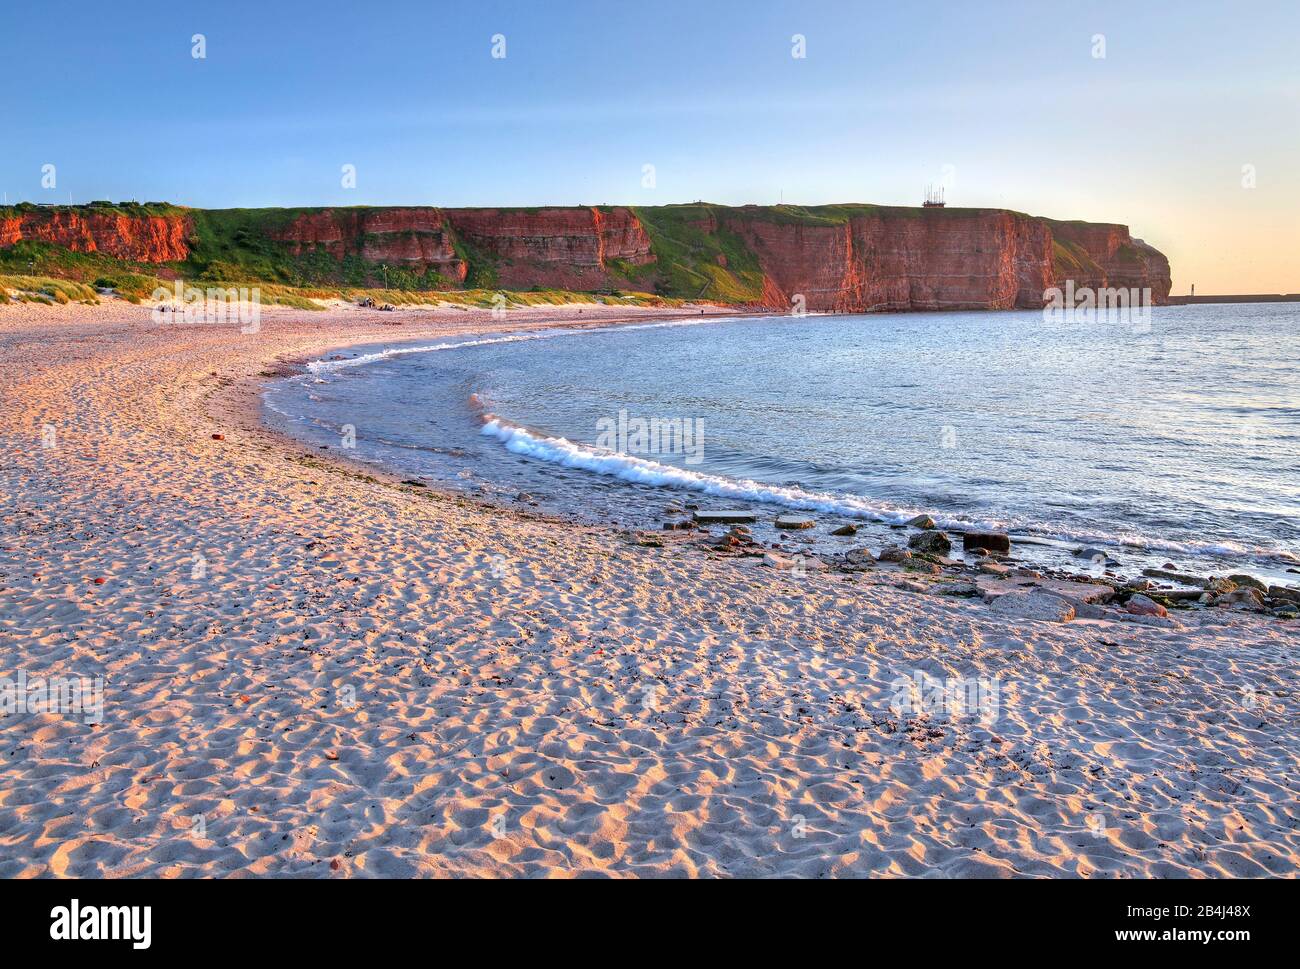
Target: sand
point(367, 679)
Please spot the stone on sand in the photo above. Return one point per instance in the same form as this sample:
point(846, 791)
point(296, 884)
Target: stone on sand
point(932, 542)
point(990, 541)
point(725, 516)
point(1033, 605)
point(892, 553)
point(1140, 605)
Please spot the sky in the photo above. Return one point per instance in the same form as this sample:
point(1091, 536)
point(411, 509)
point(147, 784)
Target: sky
point(1187, 129)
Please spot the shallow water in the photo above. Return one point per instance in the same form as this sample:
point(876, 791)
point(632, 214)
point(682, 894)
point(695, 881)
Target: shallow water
point(1178, 444)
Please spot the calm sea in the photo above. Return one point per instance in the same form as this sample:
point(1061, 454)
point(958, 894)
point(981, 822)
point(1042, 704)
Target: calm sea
point(1178, 443)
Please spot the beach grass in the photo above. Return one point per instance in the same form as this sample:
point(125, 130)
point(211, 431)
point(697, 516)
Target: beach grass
point(45, 289)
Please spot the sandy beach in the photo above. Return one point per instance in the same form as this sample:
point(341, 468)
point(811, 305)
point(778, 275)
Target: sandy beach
point(310, 669)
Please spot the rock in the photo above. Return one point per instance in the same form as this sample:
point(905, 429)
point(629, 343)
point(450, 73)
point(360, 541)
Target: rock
point(1093, 554)
point(1071, 591)
point(1172, 576)
point(218, 437)
point(846, 530)
point(989, 541)
point(892, 553)
point(859, 557)
point(1140, 605)
point(1243, 598)
point(912, 586)
point(922, 566)
point(1287, 612)
point(1283, 592)
point(794, 522)
point(935, 543)
point(1248, 580)
point(1163, 622)
point(1138, 585)
point(725, 517)
point(993, 568)
point(966, 589)
point(921, 521)
point(1033, 605)
point(678, 526)
point(1219, 587)
point(1086, 610)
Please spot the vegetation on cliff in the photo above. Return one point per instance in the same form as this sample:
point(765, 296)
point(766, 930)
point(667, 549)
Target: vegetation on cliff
point(699, 251)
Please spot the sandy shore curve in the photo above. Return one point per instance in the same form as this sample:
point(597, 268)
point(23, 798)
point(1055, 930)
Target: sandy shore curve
point(312, 670)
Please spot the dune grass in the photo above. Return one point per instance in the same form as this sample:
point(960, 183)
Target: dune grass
point(45, 289)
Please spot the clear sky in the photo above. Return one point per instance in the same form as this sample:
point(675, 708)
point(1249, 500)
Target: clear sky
point(1154, 134)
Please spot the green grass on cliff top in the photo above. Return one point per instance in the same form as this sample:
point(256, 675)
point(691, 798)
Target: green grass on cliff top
point(232, 247)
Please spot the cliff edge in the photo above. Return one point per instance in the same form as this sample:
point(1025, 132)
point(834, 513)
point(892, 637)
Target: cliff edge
point(836, 258)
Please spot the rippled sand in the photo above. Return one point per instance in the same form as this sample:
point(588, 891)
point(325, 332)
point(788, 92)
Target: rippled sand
point(369, 679)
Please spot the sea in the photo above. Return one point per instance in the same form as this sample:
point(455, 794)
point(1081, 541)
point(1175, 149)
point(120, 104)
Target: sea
point(1172, 440)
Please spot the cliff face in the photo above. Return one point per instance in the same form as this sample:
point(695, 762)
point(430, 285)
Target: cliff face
point(143, 238)
point(414, 238)
point(899, 260)
point(1100, 255)
point(557, 248)
point(851, 258)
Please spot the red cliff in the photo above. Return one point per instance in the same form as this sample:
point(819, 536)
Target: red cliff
point(903, 259)
point(411, 238)
point(1101, 255)
point(139, 238)
point(839, 258)
point(563, 248)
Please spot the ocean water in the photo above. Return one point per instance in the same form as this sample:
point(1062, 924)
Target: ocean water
point(1174, 443)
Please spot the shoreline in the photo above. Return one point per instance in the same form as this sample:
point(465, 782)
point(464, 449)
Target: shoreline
point(1197, 566)
point(601, 705)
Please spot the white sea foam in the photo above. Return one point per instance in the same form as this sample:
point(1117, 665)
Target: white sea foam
point(561, 451)
point(327, 366)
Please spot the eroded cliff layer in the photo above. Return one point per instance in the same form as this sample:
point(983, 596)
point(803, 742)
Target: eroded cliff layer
point(845, 258)
point(135, 237)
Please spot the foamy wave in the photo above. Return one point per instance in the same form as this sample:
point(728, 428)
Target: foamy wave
point(327, 366)
point(612, 464)
point(561, 451)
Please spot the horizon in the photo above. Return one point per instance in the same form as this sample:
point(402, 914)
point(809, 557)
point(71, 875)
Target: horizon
point(425, 113)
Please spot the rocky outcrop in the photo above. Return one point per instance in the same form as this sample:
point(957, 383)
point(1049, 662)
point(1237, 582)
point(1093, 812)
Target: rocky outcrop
point(850, 258)
point(140, 238)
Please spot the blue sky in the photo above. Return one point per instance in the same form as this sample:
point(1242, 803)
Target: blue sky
point(1005, 97)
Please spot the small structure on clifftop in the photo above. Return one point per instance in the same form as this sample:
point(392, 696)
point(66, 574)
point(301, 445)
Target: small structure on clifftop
point(933, 197)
